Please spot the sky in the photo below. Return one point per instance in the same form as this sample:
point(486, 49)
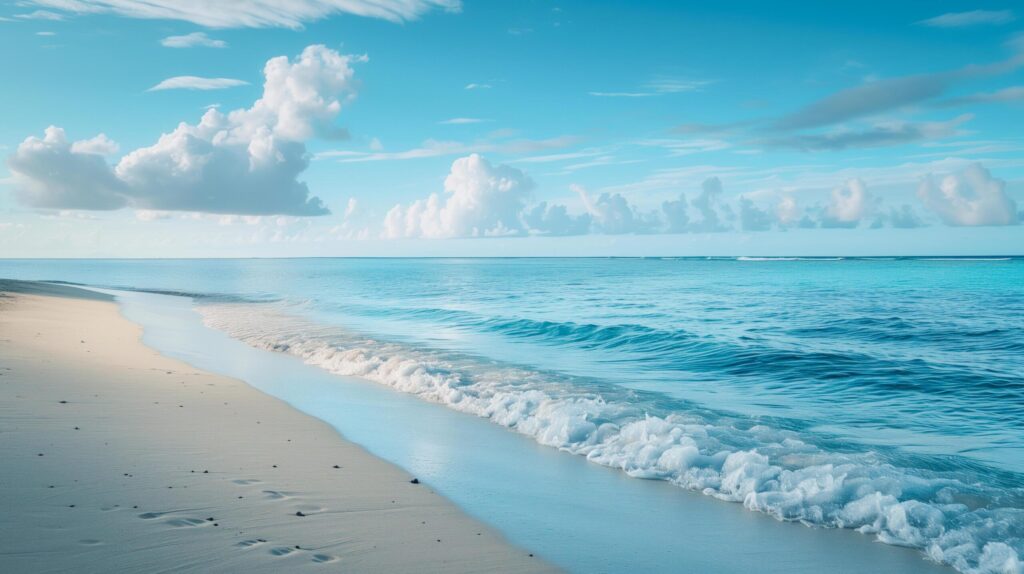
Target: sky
point(255, 128)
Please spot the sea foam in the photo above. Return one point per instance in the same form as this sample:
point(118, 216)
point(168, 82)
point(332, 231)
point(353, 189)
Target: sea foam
point(952, 520)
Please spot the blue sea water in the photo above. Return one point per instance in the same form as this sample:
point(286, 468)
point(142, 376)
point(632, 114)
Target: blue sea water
point(879, 394)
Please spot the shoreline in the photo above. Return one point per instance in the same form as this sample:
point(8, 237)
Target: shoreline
point(118, 458)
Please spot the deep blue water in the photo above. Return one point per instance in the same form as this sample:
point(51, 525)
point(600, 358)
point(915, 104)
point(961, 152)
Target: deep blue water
point(880, 394)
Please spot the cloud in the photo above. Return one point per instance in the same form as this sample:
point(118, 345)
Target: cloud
point(47, 34)
point(41, 15)
point(869, 98)
point(971, 197)
point(49, 174)
point(676, 215)
point(611, 214)
point(787, 212)
point(251, 13)
point(245, 162)
point(903, 217)
point(883, 95)
point(1011, 94)
point(197, 83)
point(971, 18)
point(880, 134)
point(476, 86)
point(461, 121)
point(553, 219)
point(99, 145)
point(707, 204)
point(435, 148)
point(657, 87)
point(192, 40)
point(753, 218)
point(848, 205)
point(482, 200)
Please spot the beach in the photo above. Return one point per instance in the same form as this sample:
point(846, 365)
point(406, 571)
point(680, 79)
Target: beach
point(119, 459)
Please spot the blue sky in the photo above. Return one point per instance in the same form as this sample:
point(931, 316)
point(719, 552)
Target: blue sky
point(432, 127)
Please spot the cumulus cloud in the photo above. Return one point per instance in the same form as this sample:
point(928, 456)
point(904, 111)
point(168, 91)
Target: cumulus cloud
point(612, 214)
point(100, 145)
point(971, 197)
point(753, 218)
point(971, 18)
point(708, 204)
point(197, 83)
point(482, 200)
point(554, 219)
point(787, 212)
point(48, 173)
point(848, 205)
point(676, 215)
point(250, 13)
point(192, 40)
point(902, 217)
point(246, 161)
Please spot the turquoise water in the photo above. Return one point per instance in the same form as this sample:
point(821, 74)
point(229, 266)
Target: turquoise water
point(885, 395)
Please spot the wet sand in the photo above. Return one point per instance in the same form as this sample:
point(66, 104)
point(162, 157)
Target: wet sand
point(118, 459)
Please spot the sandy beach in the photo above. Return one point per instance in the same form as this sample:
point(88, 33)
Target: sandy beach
point(117, 459)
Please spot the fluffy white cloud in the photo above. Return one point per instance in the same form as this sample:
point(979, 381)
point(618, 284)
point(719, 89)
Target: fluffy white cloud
point(787, 212)
point(100, 145)
point(611, 214)
point(848, 205)
point(197, 83)
point(971, 197)
point(49, 173)
point(248, 13)
point(481, 200)
point(555, 219)
point(245, 162)
point(192, 40)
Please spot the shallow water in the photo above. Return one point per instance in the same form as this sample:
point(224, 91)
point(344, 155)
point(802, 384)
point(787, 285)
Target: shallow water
point(882, 395)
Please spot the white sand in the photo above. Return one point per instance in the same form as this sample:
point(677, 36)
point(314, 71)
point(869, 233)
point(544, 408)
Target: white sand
point(117, 459)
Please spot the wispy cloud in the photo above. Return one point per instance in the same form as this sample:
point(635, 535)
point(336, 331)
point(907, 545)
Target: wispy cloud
point(478, 86)
point(878, 135)
point(197, 83)
point(195, 39)
point(657, 87)
point(41, 15)
point(251, 13)
point(436, 148)
point(971, 18)
point(46, 33)
point(1011, 94)
point(461, 121)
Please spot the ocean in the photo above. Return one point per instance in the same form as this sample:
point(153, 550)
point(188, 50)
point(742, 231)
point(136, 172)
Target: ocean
point(883, 395)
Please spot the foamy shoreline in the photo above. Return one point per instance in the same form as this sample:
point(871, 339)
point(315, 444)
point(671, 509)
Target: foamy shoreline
point(118, 459)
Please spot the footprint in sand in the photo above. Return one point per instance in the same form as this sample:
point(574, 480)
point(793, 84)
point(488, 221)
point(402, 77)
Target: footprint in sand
point(281, 550)
point(250, 543)
point(151, 515)
point(324, 558)
point(247, 481)
point(278, 494)
point(185, 522)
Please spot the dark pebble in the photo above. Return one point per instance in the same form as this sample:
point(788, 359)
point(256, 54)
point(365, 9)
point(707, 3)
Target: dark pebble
point(299, 513)
point(415, 481)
